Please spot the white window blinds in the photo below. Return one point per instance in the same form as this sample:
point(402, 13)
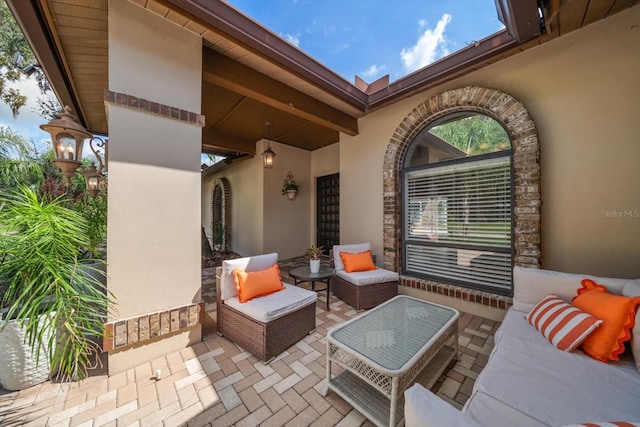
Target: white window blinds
point(457, 223)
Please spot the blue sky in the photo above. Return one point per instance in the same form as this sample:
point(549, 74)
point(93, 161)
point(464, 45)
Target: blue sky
point(368, 38)
point(372, 38)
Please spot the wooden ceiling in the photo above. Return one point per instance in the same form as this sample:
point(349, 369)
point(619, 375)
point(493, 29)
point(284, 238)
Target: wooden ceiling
point(250, 75)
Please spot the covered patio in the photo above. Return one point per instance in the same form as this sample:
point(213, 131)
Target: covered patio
point(167, 80)
point(216, 383)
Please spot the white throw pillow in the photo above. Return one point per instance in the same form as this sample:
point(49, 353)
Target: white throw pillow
point(228, 286)
point(633, 290)
point(352, 249)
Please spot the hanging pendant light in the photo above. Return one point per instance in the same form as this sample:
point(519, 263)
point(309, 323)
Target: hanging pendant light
point(268, 155)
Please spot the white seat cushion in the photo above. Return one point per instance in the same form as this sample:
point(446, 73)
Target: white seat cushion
point(228, 286)
point(352, 249)
point(424, 409)
point(270, 307)
point(379, 275)
point(557, 387)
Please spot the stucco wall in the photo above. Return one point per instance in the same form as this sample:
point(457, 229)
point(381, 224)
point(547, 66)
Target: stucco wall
point(263, 219)
point(246, 182)
point(286, 222)
point(154, 175)
point(581, 91)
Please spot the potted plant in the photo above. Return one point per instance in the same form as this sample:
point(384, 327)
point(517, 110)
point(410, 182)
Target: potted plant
point(314, 253)
point(54, 307)
point(289, 187)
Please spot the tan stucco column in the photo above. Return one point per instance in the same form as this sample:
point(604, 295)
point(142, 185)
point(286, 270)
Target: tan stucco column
point(153, 105)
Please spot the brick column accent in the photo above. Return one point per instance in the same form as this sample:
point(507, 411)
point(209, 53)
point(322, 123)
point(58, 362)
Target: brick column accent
point(526, 161)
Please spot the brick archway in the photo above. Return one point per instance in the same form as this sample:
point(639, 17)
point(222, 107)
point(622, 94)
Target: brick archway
point(222, 210)
point(526, 160)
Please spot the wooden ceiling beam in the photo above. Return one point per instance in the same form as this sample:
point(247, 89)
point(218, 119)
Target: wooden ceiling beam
point(214, 140)
point(231, 75)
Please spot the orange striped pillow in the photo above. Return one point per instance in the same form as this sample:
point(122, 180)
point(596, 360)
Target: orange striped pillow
point(606, 424)
point(564, 325)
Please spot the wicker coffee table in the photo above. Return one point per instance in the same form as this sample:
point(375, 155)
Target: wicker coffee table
point(385, 349)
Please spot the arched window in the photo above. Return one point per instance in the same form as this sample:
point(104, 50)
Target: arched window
point(221, 215)
point(457, 203)
point(459, 209)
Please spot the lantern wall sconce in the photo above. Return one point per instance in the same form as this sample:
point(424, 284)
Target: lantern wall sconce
point(93, 176)
point(268, 155)
point(67, 137)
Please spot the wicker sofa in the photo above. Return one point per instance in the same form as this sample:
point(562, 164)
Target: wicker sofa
point(363, 289)
point(528, 382)
point(268, 325)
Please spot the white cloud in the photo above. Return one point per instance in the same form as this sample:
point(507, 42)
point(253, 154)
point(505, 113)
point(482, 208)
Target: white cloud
point(373, 71)
point(28, 121)
point(294, 39)
point(431, 46)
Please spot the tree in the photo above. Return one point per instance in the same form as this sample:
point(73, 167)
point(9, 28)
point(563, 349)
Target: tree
point(17, 61)
point(476, 134)
point(17, 160)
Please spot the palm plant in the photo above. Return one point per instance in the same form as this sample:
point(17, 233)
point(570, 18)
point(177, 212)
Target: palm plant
point(16, 159)
point(42, 243)
point(315, 251)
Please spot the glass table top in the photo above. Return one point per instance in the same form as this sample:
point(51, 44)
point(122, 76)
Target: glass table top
point(391, 334)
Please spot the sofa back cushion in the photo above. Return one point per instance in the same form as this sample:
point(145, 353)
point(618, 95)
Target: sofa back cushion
point(633, 290)
point(531, 285)
point(354, 249)
point(228, 285)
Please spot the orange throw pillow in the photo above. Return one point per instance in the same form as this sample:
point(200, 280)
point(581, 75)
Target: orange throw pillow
point(252, 284)
point(618, 314)
point(362, 261)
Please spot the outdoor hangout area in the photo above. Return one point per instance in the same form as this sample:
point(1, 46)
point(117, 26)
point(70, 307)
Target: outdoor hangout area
point(218, 383)
point(202, 224)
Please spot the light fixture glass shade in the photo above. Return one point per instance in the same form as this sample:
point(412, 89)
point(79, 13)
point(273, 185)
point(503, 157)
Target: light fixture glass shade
point(92, 177)
point(67, 137)
point(65, 147)
point(267, 158)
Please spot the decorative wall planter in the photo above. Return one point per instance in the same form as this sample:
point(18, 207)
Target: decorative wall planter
point(289, 186)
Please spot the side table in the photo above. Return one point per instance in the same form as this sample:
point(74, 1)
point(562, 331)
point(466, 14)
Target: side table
point(304, 274)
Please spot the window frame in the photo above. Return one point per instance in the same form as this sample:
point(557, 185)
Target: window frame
point(404, 201)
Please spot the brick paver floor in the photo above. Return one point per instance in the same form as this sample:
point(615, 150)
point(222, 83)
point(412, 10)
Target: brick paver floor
point(215, 383)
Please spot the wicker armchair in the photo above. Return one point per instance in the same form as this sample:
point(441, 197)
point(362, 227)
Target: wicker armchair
point(361, 290)
point(264, 326)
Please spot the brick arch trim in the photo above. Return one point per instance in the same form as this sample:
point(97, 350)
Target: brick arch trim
point(526, 162)
point(222, 204)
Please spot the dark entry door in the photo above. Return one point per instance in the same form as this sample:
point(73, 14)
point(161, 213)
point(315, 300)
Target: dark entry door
point(328, 211)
